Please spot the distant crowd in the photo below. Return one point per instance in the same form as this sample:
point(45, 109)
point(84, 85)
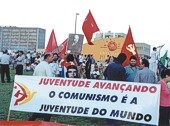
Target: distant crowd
point(86, 67)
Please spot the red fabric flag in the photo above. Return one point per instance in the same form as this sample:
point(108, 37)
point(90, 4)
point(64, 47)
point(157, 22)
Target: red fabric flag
point(63, 48)
point(129, 48)
point(52, 43)
point(89, 27)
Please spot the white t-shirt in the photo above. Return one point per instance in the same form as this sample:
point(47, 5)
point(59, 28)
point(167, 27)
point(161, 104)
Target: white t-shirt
point(4, 59)
point(43, 69)
point(54, 68)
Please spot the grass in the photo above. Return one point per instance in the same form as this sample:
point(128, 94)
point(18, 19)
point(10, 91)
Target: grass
point(5, 96)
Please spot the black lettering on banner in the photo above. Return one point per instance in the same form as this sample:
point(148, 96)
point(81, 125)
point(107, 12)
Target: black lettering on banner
point(86, 110)
point(66, 95)
point(95, 111)
point(60, 94)
point(114, 98)
point(139, 116)
point(51, 94)
point(123, 114)
point(134, 101)
point(114, 113)
point(101, 112)
point(66, 109)
point(130, 115)
point(147, 117)
point(80, 110)
point(124, 99)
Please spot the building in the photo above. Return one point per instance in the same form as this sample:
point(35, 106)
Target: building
point(143, 50)
point(108, 34)
point(103, 47)
point(22, 38)
point(112, 46)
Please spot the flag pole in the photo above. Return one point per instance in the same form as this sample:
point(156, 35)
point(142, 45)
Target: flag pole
point(8, 117)
point(76, 22)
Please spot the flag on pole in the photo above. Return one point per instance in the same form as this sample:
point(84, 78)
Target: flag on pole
point(89, 27)
point(159, 50)
point(160, 47)
point(63, 48)
point(164, 58)
point(52, 43)
point(129, 48)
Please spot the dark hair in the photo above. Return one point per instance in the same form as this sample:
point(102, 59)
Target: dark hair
point(145, 62)
point(121, 58)
point(164, 73)
point(72, 67)
point(70, 57)
point(88, 55)
point(133, 57)
point(21, 52)
point(154, 48)
point(5, 51)
point(46, 56)
point(55, 54)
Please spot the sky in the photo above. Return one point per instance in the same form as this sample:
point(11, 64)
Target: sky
point(149, 19)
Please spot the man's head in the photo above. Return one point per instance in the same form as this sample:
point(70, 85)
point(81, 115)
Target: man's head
point(165, 74)
point(72, 72)
point(20, 53)
point(133, 60)
point(48, 57)
point(154, 49)
point(76, 38)
point(55, 56)
point(5, 51)
point(121, 58)
point(144, 63)
point(70, 57)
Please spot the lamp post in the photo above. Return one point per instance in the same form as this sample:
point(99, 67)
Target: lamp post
point(76, 23)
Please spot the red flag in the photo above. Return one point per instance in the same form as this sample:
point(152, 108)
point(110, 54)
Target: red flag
point(52, 43)
point(89, 27)
point(129, 48)
point(63, 48)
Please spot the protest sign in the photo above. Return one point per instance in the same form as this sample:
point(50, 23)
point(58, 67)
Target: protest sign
point(127, 101)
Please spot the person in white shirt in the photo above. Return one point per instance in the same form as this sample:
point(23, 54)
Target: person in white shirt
point(55, 65)
point(95, 74)
point(5, 60)
point(81, 57)
point(154, 60)
point(43, 68)
point(28, 56)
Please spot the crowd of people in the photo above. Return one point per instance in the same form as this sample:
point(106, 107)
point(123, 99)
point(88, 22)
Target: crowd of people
point(85, 66)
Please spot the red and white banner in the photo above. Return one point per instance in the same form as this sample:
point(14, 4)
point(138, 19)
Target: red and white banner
point(133, 102)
